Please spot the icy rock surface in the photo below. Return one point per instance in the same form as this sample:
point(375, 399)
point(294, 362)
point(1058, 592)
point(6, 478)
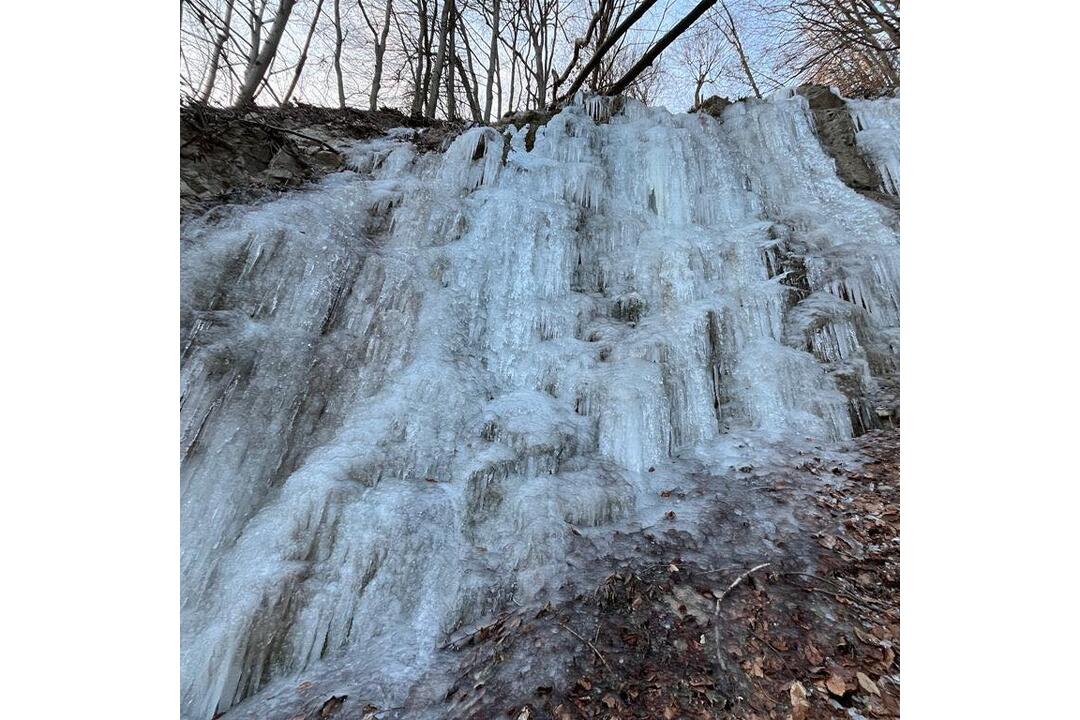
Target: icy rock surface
point(877, 125)
point(398, 387)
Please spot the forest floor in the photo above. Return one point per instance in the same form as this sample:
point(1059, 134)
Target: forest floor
point(670, 638)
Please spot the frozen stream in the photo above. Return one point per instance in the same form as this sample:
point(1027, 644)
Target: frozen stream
point(399, 386)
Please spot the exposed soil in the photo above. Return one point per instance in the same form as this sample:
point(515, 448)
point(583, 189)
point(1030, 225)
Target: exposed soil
point(230, 156)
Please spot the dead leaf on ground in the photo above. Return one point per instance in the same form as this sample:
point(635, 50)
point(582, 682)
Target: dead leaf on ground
point(799, 704)
point(867, 684)
point(332, 705)
point(836, 685)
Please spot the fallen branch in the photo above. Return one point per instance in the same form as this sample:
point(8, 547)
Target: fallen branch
point(586, 641)
point(716, 621)
point(499, 619)
point(297, 133)
point(738, 580)
point(844, 591)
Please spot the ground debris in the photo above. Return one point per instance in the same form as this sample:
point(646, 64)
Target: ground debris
point(804, 637)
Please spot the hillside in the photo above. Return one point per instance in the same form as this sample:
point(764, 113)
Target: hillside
point(507, 421)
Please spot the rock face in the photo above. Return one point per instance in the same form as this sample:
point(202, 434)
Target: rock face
point(232, 157)
point(436, 386)
point(836, 130)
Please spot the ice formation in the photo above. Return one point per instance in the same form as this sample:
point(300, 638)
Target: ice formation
point(877, 124)
point(400, 385)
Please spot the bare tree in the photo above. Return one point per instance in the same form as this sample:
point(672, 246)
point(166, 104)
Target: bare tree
point(339, 41)
point(215, 57)
point(727, 25)
point(493, 58)
point(603, 10)
point(379, 37)
point(606, 42)
point(659, 46)
point(435, 57)
point(440, 60)
point(303, 55)
point(702, 54)
point(853, 44)
point(451, 52)
point(260, 62)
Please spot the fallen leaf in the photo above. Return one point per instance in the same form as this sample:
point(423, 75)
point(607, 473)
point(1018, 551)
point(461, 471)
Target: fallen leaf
point(836, 685)
point(332, 705)
point(525, 714)
point(867, 684)
point(799, 704)
point(866, 637)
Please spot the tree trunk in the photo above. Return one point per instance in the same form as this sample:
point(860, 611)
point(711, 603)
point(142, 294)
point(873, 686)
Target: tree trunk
point(654, 52)
point(608, 42)
point(470, 96)
point(257, 71)
point(380, 51)
point(339, 40)
point(423, 62)
point(451, 53)
point(734, 38)
point(493, 60)
point(215, 56)
point(303, 56)
point(440, 60)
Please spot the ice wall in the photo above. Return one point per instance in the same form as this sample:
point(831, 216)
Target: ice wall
point(877, 133)
point(399, 386)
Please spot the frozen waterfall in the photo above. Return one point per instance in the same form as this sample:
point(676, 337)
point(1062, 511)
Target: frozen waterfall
point(400, 385)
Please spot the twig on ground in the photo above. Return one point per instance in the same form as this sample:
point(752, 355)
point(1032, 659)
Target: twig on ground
point(713, 571)
point(587, 642)
point(844, 591)
point(737, 581)
point(716, 621)
point(453, 644)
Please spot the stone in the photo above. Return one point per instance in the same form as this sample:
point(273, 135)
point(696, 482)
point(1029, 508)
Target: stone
point(285, 167)
point(714, 105)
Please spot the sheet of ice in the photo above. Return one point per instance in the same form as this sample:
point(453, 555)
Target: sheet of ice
point(877, 126)
point(400, 385)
